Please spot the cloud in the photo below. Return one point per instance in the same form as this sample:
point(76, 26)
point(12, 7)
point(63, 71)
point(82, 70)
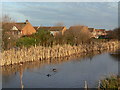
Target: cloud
point(93, 14)
point(60, 0)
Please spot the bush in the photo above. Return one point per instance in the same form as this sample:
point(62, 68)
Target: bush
point(111, 82)
point(26, 41)
point(42, 37)
point(115, 33)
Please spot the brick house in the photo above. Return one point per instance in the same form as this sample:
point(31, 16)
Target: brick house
point(100, 32)
point(97, 32)
point(22, 29)
point(53, 30)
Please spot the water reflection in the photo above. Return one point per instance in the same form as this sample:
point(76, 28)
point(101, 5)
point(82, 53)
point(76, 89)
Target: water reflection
point(60, 72)
point(116, 55)
point(21, 76)
point(13, 69)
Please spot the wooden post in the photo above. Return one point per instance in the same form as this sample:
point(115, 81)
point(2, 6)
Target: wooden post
point(86, 86)
point(99, 85)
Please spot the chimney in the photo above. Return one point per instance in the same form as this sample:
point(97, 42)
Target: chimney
point(27, 21)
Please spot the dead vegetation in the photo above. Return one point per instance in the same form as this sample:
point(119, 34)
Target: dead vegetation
point(40, 53)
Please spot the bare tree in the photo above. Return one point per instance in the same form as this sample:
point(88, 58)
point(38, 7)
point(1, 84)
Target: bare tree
point(59, 24)
point(77, 34)
point(7, 38)
point(7, 19)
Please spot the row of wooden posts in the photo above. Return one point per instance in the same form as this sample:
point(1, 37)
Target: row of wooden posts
point(100, 86)
point(40, 53)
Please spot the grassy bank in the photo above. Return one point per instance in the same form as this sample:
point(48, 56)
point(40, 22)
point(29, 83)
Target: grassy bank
point(40, 53)
point(111, 82)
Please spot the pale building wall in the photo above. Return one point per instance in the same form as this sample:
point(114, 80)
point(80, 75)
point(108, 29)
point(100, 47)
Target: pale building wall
point(14, 28)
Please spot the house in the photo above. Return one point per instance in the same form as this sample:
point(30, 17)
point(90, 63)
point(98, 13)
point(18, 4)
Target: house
point(22, 29)
point(97, 32)
point(57, 29)
point(110, 34)
point(42, 28)
point(53, 30)
point(100, 32)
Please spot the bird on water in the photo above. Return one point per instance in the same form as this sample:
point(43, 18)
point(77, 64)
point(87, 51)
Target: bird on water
point(48, 75)
point(54, 70)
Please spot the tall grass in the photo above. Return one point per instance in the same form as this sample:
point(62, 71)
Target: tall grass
point(111, 82)
point(39, 53)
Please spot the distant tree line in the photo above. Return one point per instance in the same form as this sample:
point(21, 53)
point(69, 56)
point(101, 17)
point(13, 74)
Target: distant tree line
point(115, 33)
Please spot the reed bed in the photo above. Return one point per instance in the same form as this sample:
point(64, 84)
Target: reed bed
point(40, 53)
point(8, 70)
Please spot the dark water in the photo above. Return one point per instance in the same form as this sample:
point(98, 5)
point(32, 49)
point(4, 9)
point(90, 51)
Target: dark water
point(69, 73)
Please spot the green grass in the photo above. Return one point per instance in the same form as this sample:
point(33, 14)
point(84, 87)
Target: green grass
point(111, 82)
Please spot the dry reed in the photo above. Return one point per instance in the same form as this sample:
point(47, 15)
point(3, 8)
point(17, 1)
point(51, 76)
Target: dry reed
point(40, 53)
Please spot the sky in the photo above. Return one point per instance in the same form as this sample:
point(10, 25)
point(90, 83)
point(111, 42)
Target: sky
point(102, 15)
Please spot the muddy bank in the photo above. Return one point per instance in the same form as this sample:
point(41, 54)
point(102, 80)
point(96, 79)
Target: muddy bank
point(40, 53)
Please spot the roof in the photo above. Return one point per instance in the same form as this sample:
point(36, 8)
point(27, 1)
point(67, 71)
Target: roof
point(108, 31)
point(57, 28)
point(44, 28)
point(20, 25)
point(78, 27)
point(102, 30)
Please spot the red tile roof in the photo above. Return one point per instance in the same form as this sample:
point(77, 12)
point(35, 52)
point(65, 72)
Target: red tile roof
point(17, 25)
point(102, 30)
point(20, 25)
point(55, 28)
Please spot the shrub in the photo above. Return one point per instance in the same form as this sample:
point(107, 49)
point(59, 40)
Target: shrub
point(26, 41)
point(111, 82)
point(42, 37)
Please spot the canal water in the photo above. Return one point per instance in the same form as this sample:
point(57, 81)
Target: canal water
point(63, 73)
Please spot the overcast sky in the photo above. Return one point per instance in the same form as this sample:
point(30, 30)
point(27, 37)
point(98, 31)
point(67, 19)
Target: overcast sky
point(97, 15)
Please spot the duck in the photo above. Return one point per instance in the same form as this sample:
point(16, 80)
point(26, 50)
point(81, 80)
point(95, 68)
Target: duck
point(48, 75)
point(54, 70)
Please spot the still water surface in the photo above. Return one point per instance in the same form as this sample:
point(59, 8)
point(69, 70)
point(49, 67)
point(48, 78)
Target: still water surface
point(68, 74)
